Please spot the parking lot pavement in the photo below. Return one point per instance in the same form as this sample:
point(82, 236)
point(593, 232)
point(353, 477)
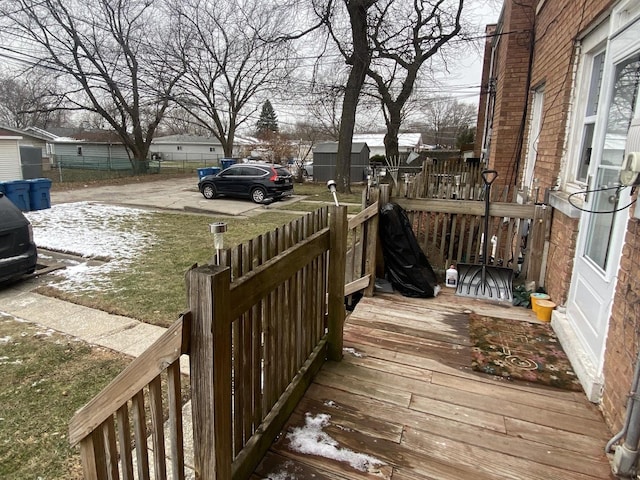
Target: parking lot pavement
point(173, 194)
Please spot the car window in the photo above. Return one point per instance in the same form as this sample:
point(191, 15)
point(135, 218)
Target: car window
point(231, 171)
point(283, 172)
point(253, 171)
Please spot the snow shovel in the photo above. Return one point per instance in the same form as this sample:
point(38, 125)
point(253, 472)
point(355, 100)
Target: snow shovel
point(485, 281)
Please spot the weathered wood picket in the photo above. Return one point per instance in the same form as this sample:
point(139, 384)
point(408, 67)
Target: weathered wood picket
point(445, 204)
point(259, 327)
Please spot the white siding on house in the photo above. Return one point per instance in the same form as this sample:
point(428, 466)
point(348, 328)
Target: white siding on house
point(187, 147)
point(10, 168)
point(101, 150)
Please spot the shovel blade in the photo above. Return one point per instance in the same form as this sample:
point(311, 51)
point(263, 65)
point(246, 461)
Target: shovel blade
point(483, 281)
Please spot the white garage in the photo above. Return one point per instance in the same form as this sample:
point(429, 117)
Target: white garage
point(10, 168)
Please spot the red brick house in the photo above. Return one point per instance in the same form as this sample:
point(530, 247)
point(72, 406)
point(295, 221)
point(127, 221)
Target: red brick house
point(560, 91)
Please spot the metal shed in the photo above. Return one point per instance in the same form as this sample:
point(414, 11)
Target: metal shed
point(325, 156)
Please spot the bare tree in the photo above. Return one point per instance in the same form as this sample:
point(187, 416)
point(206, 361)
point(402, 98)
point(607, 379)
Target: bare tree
point(105, 52)
point(357, 54)
point(30, 100)
point(231, 57)
point(404, 36)
point(444, 119)
point(325, 96)
point(178, 121)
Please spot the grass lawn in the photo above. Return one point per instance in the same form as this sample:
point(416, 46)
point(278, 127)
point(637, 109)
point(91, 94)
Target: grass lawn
point(152, 289)
point(316, 191)
point(46, 377)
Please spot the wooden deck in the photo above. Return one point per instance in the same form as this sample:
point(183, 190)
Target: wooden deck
point(406, 395)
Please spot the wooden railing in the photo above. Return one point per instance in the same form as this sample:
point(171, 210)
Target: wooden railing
point(451, 232)
point(259, 327)
point(137, 403)
point(361, 249)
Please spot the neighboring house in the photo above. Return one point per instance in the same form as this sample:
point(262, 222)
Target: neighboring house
point(560, 90)
point(10, 167)
point(187, 148)
point(325, 157)
point(407, 143)
point(98, 150)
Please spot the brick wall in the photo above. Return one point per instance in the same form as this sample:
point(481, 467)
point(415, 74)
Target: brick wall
point(562, 245)
point(511, 71)
point(624, 325)
point(558, 25)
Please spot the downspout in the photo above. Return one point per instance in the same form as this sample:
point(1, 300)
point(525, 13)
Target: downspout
point(625, 456)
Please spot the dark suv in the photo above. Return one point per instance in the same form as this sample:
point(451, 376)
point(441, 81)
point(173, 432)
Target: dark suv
point(18, 254)
point(257, 181)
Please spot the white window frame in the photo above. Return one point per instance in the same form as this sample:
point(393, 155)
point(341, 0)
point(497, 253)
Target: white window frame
point(535, 127)
point(591, 45)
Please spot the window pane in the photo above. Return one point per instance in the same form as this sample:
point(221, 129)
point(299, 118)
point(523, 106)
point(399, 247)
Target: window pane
point(601, 224)
point(596, 82)
point(621, 110)
point(625, 91)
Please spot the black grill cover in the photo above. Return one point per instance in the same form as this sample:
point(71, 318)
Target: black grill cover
point(405, 265)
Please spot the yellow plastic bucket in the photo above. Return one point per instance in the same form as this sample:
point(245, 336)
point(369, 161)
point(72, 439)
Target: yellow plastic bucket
point(544, 309)
point(535, 297)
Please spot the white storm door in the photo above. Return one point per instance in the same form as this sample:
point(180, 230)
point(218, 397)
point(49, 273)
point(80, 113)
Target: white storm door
point(602, 228)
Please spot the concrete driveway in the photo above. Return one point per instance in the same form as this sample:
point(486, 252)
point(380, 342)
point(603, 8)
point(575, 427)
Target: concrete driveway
point(173, 194)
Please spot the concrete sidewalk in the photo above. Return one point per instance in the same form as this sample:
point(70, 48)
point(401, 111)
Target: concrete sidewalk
point(116, 332)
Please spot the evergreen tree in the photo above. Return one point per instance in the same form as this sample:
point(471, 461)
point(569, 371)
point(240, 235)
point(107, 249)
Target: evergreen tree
point(267, 124)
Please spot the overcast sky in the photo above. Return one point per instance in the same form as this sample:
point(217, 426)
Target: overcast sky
point(461, 78)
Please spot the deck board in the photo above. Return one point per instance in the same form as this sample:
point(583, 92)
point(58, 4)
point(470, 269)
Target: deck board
point(405, 394)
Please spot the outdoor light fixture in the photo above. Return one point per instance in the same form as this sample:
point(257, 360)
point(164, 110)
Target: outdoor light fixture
point(331, 185)
point(218, 230)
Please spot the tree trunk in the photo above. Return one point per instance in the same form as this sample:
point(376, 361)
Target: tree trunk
point(391, 146)
point(360, 60)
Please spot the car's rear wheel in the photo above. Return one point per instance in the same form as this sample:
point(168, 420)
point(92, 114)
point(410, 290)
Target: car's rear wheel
point(209, 191)
point(258, 195)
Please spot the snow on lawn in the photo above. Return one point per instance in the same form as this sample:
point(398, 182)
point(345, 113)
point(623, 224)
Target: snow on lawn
point(311, 440)
point(90, 231)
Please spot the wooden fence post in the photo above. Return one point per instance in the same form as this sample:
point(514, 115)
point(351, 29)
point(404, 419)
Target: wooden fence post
point(210, 365)
point(372, 245)
point(338, 226)
point(385, 193)
point(537, 237)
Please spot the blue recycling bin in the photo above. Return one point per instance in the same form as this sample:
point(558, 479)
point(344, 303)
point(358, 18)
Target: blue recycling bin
point(39, 193)
point(18, 192)
point(227, 162)
point(203, 172)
